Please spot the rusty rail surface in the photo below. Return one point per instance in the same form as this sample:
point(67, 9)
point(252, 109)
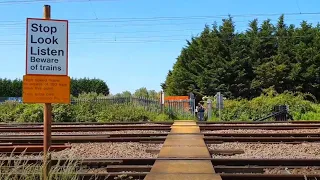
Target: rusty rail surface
point(29, 149)
point(150, 161)
point(160, 122)
point(262, 134)
point(264, 127)
point(218, 169)
point(164, 126)
point(207, 135)
point(89, 123)
point(225, 176)
point(83, 129)
point(37, 139)
point(153, 127)
point(227, 168)
point(260, 122)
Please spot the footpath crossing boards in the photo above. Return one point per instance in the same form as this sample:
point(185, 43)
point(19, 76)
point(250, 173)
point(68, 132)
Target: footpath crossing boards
point(183, 143)
point(46, 79)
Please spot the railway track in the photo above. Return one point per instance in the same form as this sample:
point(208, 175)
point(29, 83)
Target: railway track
point(152, 138)
point(227, 168)
point(139, 168)
point(85, 127)
point(99, 162)
point(166, 133)
point(160, 122)
point(224, 176)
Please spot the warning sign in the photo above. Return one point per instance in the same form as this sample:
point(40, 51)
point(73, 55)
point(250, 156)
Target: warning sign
point(46, 89)
point(47, 47)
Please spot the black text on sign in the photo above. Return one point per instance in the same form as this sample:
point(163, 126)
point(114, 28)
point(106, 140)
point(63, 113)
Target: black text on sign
point(47, 47)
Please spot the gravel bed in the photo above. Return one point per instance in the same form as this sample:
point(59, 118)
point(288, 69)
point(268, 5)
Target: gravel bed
point(89, 133)
point(261, 131)
point(300, 171)
point(108, 150)
point(102, 150)
point(270, 151)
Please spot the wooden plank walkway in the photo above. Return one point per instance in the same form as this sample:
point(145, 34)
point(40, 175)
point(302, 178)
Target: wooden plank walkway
point(184, 141)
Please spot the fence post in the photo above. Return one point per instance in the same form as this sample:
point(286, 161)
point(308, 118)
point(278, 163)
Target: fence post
point(209, 102)
point(161, 101)
point(192, 103)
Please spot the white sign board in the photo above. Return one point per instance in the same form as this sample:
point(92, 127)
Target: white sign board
point(47, 47)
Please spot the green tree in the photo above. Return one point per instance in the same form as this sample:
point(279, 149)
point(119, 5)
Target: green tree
point(13, 88)
point(141, 92)
point(86, 85)
point(242, 64)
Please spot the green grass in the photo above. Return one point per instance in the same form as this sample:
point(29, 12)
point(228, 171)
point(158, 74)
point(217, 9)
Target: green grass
point(22, 170)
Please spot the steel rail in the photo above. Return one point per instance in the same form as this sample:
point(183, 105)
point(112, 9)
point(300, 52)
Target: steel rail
point(107, 138)
point(83, 129)
point(225, 176)
point(165, 134)
point(207, 128)
point(160, 122)
point(89, 123)
point(150, 161)
point(163, 127)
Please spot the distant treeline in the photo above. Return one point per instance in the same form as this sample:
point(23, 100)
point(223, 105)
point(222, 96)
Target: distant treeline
point(13, 88)
point(243, 64)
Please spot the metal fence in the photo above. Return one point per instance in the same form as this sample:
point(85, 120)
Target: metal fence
point(15, 99)
point(181, 107)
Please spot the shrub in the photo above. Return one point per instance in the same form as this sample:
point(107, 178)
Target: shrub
point(125, 112)
point(261, 106)
point(63, 113)
point(97, 108)
point(31, 113)
point(10, 111)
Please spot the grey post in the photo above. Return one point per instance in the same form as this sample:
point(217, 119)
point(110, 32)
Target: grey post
point(209, 102)
point(219, 103)
point(192, 103)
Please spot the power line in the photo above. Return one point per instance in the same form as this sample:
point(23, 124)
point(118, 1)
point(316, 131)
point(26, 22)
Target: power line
point(108, 42)
point(9, 2)
point(120, 37)
point(94, 12)
point(297, 1)
point(123, 40)
point(121, 32)
point(172, 18)
point(22, 25)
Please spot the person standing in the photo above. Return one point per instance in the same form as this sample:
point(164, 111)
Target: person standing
point(201, 110)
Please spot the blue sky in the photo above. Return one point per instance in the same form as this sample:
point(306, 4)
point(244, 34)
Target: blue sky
point(124, 42)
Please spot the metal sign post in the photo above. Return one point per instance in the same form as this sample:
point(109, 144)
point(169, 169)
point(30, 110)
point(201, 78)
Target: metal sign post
point(46, 80)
